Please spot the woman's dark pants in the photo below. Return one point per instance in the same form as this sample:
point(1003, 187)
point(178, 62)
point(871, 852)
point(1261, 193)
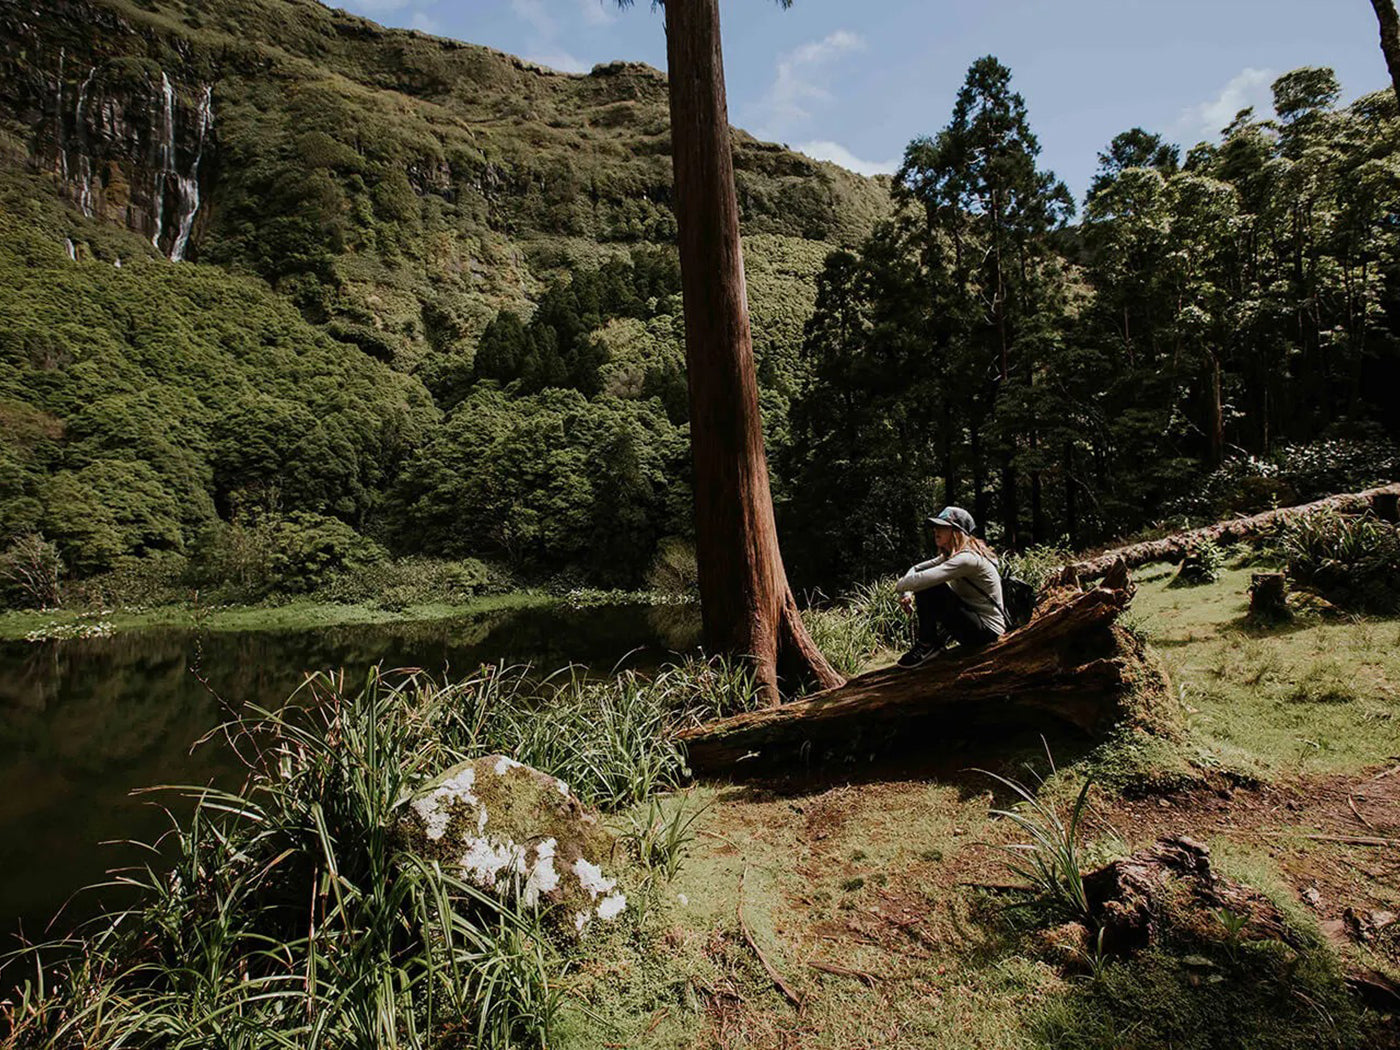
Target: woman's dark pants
point(943, 615)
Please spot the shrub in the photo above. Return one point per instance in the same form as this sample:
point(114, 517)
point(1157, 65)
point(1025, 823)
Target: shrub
point(1352, 560)
point(309, 548)
point(31, 572)
point(400, 582)
point(1201, 563)
point(1296, 474)
point(1036, 564)
point(673, 569)
point(1324, 468)
point(261, 552)
point(158, 578)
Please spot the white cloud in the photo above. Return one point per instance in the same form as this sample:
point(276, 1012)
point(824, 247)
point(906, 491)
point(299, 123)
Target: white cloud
point(839, 154)
point(560, 60)
point(376, 7)
point(533, 12)
point(598, 12)
point(426, 22)
point(546, 30)
point(1251, 87)
point(797, 82)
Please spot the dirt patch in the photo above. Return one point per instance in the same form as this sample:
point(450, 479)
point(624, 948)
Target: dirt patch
point(1322, 831)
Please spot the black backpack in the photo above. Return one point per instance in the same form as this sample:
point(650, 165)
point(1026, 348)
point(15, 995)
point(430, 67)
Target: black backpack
point(1017, 603)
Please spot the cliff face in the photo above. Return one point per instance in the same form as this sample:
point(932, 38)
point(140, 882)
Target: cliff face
point(121, 139)
point(398, 187)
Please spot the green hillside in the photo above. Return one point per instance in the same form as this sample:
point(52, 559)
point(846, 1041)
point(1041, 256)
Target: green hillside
point(353, 207)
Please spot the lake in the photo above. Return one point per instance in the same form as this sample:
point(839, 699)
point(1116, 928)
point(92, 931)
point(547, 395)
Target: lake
point(83, 722)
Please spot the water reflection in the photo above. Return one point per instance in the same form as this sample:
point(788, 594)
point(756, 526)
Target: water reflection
point(84, 721)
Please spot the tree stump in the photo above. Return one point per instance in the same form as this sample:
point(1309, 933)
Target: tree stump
point(1172, 883)
point(1071, 662)
point(1386, 506)
point(1268, 596)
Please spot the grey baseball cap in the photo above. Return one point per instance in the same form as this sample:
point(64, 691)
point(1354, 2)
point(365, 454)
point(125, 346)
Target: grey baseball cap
point(954, 518)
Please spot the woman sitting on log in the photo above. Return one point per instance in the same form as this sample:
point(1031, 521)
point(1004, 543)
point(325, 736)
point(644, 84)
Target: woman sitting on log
point(957, 595)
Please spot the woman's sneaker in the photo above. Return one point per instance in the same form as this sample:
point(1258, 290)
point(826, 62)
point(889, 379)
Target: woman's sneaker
point(921, 654)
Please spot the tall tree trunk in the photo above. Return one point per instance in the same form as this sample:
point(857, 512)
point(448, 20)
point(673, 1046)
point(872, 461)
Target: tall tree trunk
point(1217, 413)
point(746, 604)
point(979, 470)
point(1390, 40)
point(1010, 504)
point(1071, 505)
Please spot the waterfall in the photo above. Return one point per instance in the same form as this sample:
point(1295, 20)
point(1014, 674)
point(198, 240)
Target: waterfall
point(69, 247)
point(80, 128)
point(189, 184)
point(165, 157)
point(58, 120)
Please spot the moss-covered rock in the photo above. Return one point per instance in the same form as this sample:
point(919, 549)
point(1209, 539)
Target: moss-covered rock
point(520, 833)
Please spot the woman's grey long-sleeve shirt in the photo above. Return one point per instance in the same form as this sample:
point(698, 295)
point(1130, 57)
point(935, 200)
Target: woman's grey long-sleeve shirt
point(973, 578)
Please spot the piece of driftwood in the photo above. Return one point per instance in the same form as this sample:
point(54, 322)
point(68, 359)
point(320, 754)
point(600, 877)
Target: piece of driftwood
point(1381, 501)
point(1070, 661)
point(1133, 899)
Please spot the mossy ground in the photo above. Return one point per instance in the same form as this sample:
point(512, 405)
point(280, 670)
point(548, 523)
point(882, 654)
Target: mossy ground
point(871, 889)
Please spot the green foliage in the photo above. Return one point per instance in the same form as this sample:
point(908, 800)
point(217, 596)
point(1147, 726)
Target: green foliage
point(548, 481)
point(1036, 564)
point(146, 396)
point(1201, 563)
point(1171, 351)
point(310, 548)
point(1295, 473)
point(1353, 560)
point(1049, 860)
point(844, 637)
point(856, 627)
point(396, 583)
point(610, 739)
point(661, 835)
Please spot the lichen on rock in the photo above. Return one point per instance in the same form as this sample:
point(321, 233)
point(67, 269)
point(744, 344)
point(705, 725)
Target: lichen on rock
point(519, 833)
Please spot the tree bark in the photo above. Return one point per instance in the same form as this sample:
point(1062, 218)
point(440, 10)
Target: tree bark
point(1070, 662)
point(1390, 40)
point(747, 607)
point(1172, 548)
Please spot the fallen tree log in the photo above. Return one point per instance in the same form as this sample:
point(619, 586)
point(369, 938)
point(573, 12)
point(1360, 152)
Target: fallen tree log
point(1071, 662)
point(1173, 548)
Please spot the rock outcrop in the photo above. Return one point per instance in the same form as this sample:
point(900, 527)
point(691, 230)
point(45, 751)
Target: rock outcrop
point(520, 834)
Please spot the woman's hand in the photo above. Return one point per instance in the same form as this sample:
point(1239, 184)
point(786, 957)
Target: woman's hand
point(906, 601)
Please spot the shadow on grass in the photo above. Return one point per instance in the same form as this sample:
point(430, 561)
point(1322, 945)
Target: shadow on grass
point(924, 749)
point(1255, 995)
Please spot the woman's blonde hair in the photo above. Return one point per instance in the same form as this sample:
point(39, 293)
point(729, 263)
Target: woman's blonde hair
point(964, 542)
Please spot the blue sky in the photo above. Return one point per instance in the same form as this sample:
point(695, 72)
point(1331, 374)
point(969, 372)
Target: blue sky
point(854, 82)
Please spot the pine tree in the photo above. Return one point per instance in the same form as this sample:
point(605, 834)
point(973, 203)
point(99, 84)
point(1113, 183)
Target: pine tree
point(980, 190)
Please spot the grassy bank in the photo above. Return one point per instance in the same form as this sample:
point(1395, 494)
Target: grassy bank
point(290, 616)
